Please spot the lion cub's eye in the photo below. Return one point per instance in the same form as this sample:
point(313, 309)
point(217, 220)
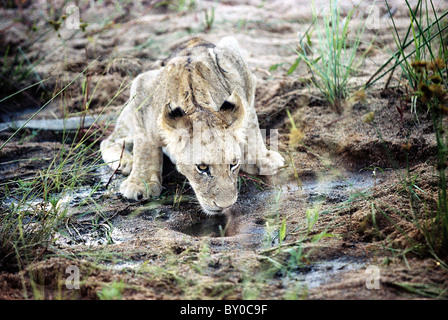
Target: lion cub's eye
point(203, 168)
point(234, 165)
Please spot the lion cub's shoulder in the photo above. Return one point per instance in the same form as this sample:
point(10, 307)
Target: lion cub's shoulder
point(194, 47)
point(198, 48)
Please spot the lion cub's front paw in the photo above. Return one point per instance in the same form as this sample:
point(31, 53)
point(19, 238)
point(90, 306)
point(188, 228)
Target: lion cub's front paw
point(269, 164)
point(138, 190)
point(125, 164)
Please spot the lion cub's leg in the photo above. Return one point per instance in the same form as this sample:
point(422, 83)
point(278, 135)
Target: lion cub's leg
point(141, 158)
point(116, 149)
point(145, 179)
point(259, 159)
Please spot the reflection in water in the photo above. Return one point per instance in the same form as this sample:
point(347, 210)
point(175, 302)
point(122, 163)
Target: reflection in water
point(213, 226)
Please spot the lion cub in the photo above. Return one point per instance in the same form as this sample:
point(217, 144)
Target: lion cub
point(198, 108)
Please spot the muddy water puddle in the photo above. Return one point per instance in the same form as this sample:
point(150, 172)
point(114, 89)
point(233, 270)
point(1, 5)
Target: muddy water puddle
point(94, 225)
point(327, 271)
point(332, 188)
point(96, 221)
point(219, 226)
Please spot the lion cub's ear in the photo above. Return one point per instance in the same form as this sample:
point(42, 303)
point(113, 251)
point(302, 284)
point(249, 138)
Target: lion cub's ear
point(175, 117)
point(232, 110)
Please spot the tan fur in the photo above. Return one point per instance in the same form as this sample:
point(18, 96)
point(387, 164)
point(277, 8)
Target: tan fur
point(180, 108)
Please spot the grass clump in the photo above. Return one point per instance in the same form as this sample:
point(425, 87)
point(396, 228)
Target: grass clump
point(420, 49)
point(333, 58)
point(421, 56)
point(209, 19)
point(34, 207)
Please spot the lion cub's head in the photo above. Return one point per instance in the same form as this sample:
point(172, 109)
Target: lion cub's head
point(204, 142)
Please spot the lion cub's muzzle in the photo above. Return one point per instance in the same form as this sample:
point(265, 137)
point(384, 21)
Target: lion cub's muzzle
point(218, 208)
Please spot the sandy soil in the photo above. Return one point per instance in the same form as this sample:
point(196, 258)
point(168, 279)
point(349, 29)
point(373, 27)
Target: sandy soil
point(172, 251)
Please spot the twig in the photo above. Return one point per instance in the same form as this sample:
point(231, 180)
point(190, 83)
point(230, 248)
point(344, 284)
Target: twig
point(249, 177)
point(334, 121)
